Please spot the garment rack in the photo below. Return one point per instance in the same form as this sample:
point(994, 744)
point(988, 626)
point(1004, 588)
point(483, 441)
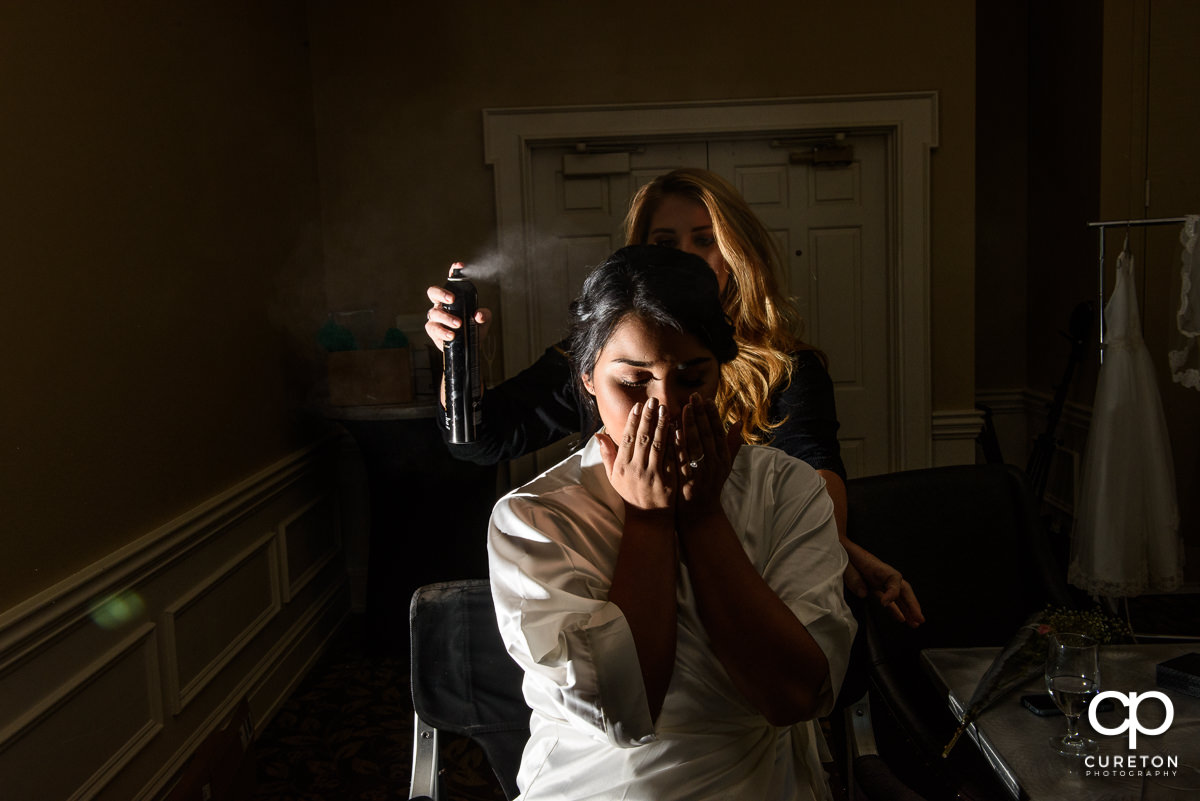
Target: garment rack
point(1103, 226)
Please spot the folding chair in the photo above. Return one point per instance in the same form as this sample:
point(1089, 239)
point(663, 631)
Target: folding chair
point(463, 682)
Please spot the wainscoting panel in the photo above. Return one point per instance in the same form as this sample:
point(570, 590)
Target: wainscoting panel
point(310, 539)
point(82, 733)
point(212, 623)
point(110, 680)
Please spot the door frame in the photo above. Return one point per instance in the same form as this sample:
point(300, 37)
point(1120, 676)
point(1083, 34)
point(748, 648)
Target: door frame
point(907, 119)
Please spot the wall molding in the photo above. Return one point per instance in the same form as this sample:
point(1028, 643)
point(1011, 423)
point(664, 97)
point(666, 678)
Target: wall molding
point(1003, 401)
point(956, 424)
point(292, 585)
point(144, 635)
point(77, 595)
point(149, 730)
point(1033, 401)
point(179, 693)
point(1030, 406)
point(193, 615)
point(1018, 414)
point(1075, 415)
point(953, 433)
point(252, 683)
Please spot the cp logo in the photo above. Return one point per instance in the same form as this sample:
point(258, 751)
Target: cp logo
point(1131, 723)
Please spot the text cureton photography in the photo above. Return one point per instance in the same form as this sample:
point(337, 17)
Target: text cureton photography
point(1130, 765)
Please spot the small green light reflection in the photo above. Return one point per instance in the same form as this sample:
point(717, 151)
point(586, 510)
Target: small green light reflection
point(117, 610)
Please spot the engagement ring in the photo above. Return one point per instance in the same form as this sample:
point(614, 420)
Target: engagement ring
point(696, 462)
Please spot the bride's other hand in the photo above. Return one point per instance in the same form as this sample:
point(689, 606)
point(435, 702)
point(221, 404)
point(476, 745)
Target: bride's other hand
point(706, 457)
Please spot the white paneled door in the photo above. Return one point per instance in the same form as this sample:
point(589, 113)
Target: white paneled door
point(830, 222)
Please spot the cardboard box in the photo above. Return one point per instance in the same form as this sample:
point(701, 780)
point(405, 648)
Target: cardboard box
point(370, 377)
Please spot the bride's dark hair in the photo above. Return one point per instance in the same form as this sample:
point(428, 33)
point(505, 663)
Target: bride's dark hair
point(661, 286)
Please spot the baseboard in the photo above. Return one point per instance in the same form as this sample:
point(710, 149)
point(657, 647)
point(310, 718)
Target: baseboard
point(134, 660)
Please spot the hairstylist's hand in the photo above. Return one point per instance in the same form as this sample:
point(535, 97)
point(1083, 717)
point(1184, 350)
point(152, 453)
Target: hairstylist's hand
point(706, 456)
point(867, 573)
point(441, 325)
point(641, 468)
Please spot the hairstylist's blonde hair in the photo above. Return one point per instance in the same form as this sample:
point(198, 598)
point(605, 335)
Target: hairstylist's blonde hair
point(766, 325)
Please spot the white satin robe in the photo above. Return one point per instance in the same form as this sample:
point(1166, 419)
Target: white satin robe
point(553, 547)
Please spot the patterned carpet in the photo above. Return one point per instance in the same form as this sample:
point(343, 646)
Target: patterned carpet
point(346, 735)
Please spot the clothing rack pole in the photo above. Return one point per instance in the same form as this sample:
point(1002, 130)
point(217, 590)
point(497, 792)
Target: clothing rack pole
point(1106, 224)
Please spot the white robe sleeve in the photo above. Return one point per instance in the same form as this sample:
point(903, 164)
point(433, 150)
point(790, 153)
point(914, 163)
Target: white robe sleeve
point(551, 597)
point(805, 564)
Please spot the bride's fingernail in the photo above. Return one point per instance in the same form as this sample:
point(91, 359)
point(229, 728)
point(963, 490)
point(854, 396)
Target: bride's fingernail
point(637, 408)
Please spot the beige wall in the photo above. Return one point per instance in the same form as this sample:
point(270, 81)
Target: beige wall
point(399, 92)
point(1001, 194)
point(161, 277)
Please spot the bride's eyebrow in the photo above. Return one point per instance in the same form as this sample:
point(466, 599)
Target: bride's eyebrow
point(679, 366)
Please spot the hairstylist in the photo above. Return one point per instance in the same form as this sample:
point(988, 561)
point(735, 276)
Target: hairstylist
point(777, 386)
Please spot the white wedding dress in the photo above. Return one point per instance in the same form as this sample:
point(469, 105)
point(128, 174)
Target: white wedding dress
point(1126, 539)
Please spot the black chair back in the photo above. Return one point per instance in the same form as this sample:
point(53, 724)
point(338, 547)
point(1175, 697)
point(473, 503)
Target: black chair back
point(463, 681)
point(969, 540)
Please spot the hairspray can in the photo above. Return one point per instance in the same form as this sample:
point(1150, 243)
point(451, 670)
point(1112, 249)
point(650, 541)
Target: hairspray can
point(460, 360)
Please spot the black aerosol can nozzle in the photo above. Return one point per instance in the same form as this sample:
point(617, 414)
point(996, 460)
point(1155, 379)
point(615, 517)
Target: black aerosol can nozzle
point(460, 360)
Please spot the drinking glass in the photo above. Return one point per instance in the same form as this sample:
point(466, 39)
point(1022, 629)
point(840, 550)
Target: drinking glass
point(1072, 677)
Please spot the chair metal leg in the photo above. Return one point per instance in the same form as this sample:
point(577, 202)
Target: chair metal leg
point(868, 776)
point(424, 783)
point(860, 728)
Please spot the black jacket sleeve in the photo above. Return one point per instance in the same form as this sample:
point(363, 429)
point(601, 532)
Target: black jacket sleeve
point(529, 411)
point(810, 431)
